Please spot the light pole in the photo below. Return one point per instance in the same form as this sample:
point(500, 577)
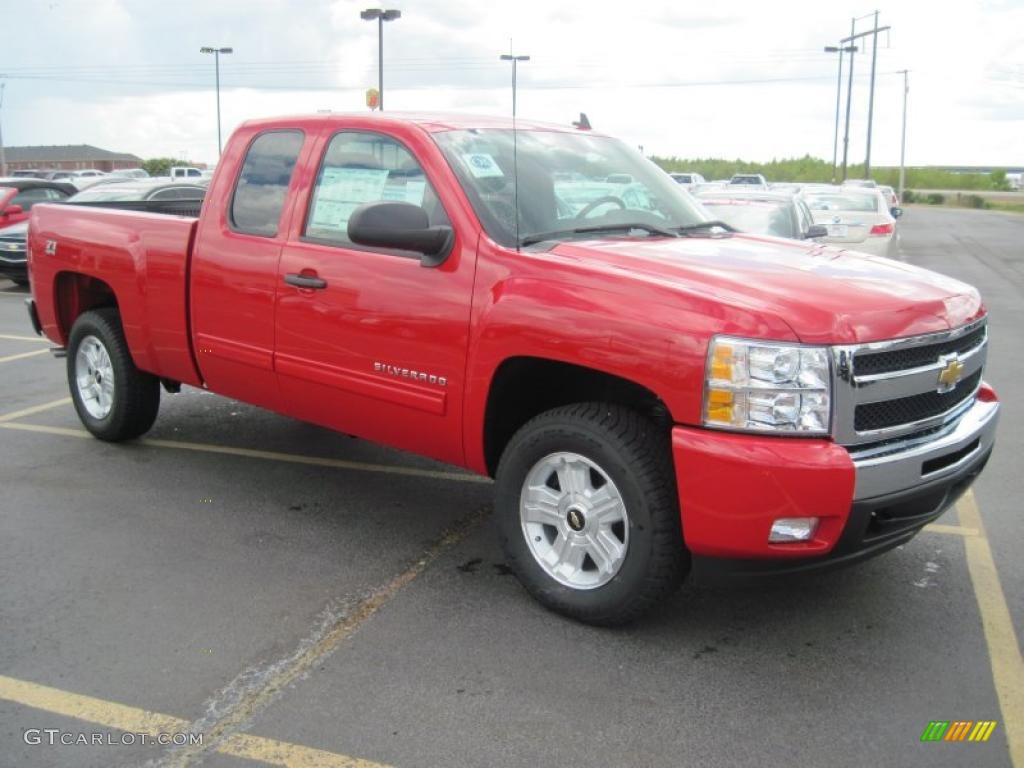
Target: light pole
point(854, 36)
point(903, 140)
point(216, 67)
point(381, 16)
point(3, 155)
point(515, 62)
point(839, 92)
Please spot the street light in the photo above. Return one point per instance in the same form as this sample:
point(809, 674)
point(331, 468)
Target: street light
point(515, 61)
point(381, 16)
point(216, 66)
point(839, 90)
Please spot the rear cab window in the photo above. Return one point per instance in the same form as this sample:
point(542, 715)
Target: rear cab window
point(262, 185)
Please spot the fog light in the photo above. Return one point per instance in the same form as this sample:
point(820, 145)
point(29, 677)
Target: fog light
point(792, 529)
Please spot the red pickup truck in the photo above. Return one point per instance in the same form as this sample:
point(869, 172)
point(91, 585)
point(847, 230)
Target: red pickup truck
point(649, 389)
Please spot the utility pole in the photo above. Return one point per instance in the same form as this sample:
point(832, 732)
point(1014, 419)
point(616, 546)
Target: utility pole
point(3, 155)
point(871, 99)
point(849, 94)
point(839, 96)
point(849, 89)
point(903, 140)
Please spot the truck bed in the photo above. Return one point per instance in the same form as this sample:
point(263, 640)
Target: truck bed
point(142, 257)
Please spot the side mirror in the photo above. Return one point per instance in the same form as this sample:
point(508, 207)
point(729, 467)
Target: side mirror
point(403, 226)
point(815, 231)
point(13, 210)
point(896, 212)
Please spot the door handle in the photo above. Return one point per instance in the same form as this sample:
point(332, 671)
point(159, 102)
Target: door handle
point(305, 281)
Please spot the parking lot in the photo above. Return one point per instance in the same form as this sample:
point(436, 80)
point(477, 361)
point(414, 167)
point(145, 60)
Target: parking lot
point(304, 598)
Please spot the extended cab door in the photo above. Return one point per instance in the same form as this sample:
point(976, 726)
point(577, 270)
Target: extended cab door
point(370, 342)
point(234, 265)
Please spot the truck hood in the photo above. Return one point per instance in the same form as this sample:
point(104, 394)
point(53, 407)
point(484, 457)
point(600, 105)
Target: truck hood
point(826, 295)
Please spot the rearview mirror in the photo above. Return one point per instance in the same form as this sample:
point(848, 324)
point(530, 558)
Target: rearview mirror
point(403, 226)
point(896, 212)
point(816, 230)
point(13, 210)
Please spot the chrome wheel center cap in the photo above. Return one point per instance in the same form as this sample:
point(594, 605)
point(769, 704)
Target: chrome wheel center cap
point(575, 518)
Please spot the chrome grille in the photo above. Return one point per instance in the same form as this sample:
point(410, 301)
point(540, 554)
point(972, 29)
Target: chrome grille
point(888, 390)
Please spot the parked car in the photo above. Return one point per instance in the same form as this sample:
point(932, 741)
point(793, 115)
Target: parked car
point(131, 173)
point(13, 241)
point(185, 172)
point(18, 195)
point(126, 190)
point(864, 183)
point(649, 390)
point(749, 179)
point(28, 173)
point(687, 179)
point(780, 214)
point(891, 198)
point(855, 218)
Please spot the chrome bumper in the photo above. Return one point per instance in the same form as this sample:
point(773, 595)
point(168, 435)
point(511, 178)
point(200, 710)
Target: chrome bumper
point(914, 462)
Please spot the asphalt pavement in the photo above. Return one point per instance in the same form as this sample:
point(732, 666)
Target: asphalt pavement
point(302, 598)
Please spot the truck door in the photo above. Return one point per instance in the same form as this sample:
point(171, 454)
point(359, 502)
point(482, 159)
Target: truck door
point(234, 268)
point(368, 341)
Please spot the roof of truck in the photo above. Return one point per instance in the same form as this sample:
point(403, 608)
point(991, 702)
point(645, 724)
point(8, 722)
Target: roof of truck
point(432, 122)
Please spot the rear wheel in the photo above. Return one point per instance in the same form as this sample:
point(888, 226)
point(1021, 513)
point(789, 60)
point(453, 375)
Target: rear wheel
point(114, 399)
point(587, 512)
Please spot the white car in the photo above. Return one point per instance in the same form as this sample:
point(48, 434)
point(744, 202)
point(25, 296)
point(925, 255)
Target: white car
point(687, 179)
point(856, 218)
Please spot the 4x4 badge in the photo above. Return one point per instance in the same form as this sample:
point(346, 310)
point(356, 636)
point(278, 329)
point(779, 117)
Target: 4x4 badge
point(950, 374)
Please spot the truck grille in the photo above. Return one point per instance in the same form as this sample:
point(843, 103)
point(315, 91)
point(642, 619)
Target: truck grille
point(906, 410)
point(887, 391)
point(870, 363)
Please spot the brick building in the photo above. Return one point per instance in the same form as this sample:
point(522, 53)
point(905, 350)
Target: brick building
point(70, 157)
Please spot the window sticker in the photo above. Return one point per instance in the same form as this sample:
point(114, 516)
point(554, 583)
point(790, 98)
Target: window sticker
point(408, 192)
point(482, 165)
point(341, 191)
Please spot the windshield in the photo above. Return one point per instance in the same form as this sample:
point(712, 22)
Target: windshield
point(566, 181)
point(764, 217)
point(831, 201)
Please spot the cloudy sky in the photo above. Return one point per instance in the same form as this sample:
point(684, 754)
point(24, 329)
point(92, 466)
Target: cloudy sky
point(741, 79)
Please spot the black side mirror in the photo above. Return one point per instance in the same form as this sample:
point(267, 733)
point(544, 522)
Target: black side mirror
point(816, 230)
point(403, 226)
point(896, 212)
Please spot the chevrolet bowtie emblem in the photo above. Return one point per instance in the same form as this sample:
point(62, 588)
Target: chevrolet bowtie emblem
point(950, 374)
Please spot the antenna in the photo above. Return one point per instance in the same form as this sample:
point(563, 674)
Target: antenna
point(515, 134)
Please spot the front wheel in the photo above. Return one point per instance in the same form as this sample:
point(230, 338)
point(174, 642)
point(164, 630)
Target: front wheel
point(587, 512)
point(114, 399)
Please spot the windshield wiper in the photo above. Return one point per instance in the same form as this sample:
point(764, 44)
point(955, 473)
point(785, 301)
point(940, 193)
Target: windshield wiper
point(706, 225)
point(650, 229)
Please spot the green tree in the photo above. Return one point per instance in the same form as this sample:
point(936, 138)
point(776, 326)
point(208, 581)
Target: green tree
point(158, 166)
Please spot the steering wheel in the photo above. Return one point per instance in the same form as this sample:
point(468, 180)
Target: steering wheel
point(600, 201)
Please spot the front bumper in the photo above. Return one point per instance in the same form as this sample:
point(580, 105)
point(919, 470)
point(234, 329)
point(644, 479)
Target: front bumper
point(732, 487)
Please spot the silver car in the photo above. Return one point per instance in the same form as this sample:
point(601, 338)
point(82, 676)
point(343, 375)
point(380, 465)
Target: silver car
point(857, 218)
point(780, 214)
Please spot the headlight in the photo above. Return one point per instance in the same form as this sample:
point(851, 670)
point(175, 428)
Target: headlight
point(767, 387)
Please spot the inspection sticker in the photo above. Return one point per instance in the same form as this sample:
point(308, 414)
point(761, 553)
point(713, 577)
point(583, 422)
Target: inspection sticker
point(482, 165)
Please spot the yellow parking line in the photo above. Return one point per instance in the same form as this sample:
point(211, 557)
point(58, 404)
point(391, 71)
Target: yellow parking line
point(23, 355)
point(290, 458)
point(37, 339)
point(120, 717)
point(35, 409)
point(1003, 649)
point(952, 530)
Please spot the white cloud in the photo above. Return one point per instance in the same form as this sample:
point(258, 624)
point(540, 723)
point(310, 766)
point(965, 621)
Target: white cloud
point(966, 99)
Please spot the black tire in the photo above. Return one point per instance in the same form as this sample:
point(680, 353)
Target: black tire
point(20, 281)
point(635, 454)
point(136, 394)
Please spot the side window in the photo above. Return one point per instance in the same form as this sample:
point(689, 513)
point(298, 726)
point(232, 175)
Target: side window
point(361, 168)
point(29, 197)
point(194, 172)
point(263, 183)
